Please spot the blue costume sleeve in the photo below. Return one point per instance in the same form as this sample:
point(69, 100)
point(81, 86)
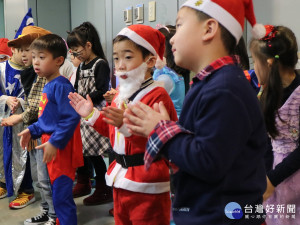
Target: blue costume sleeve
point(222, 130)
point(35, 130)
point(68, 118)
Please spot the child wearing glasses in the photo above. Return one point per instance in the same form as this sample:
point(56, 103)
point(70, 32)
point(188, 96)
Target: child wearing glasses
point(92, 77)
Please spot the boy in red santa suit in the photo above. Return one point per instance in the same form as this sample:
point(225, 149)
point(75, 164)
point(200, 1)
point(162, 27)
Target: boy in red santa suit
point(140, 196)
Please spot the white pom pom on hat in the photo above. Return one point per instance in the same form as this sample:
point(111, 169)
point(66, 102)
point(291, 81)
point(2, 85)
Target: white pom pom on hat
point(231, 14)
point(259, 31)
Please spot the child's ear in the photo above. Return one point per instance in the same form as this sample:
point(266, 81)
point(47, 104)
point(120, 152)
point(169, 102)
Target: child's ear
point(270, 62)
point(60, 60)
point(211, 27)
point(89, 45)
point(151, 61)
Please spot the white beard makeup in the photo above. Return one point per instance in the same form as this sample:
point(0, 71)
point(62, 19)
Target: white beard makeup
point(131, 84)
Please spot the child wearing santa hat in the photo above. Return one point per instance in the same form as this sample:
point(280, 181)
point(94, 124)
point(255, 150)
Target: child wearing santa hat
point(220, 140)
point(5, 51)
point(140, 196)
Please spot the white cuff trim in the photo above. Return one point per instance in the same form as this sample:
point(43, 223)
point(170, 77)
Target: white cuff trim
point(124, 130)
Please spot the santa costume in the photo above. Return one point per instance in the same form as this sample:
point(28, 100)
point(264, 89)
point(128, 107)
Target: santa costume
point(139, 195)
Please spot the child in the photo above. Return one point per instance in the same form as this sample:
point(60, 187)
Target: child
point(76, 62)
point(219, 142)
point(58, 125)
point(5, 51)
point(275, 57)
point(140, 197)
point(33, 86)
point(167, 72)
point(16, 176)
point(92, 77)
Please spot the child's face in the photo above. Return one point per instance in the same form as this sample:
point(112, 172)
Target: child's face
point(82, 53)
point(126, 56)
point(44, 64)
point(17, 56)
point(75, 61)
point(26, 55)
point(186, 43)
point(261, 69)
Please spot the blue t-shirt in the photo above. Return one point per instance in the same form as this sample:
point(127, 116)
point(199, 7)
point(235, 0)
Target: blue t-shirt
point(56, 115)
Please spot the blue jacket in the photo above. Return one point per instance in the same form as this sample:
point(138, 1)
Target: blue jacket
point(222, 160)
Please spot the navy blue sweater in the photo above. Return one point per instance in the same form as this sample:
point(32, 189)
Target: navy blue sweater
point(222, 161)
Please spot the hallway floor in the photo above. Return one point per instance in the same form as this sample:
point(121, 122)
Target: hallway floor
point(87, 215)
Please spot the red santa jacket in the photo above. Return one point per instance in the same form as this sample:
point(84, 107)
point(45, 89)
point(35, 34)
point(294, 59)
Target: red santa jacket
point(156, 179)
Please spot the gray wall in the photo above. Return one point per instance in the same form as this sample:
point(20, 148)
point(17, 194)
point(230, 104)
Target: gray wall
point(2, 27)
point(166, 11)
point(278, 12)
point(53, 15)
point(93, 11)
point(14, 11)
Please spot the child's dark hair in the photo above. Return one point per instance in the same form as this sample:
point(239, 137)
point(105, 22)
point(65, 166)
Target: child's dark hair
point(51, 43)
point(169, 32)
point(241, 51)
point(145, 52)
point(228, 40)
point(84, 33)
point(282, 48)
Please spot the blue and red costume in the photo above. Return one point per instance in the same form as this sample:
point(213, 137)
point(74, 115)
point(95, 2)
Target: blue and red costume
point(58, 123)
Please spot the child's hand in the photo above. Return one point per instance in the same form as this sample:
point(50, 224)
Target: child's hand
point(269, 191)
point(49, 151)
point(13, 103)
point(142, 119)
point(82, 106)
point(18, 105)
point(109, 95)
point(25, 138)
point(12, 120)
point(114, 116)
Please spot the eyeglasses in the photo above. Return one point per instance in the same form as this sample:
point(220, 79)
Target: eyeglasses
point(76, 54)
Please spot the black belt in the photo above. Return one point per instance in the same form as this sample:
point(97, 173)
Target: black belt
point(129, 160)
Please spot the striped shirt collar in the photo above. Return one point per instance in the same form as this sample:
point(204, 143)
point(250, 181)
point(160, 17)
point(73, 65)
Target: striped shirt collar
point(147, 82)
point(217, 64)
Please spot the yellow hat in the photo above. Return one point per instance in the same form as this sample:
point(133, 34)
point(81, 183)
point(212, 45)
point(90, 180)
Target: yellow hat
point(29, 34)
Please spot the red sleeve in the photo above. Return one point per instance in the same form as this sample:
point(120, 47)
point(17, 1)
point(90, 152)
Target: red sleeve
point(157, 95)
point(101, 127)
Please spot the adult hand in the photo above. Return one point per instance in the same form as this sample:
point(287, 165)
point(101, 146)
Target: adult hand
point(142, 119)
point(82, 106)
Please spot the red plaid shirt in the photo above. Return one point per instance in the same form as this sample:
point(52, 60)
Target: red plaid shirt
point(166, 130)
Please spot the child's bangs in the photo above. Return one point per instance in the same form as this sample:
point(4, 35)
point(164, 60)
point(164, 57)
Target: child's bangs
point(73, 40)
point(38, 44)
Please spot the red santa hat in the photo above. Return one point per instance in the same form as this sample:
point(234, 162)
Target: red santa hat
point(4, 49)
point(147, 37)
point(231, 14)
